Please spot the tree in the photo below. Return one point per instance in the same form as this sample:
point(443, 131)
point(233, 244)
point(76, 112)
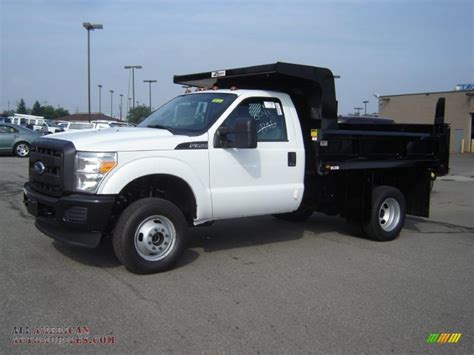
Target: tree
point(61, 112)
point(37, 109)
point(7, 113)
point(49, 112)
point(137, 114)
point(21, 108)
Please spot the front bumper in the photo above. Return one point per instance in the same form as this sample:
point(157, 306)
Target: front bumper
point(76, 219)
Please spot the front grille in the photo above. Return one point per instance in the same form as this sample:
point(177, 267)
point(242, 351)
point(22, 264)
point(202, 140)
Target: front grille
point(50, 181)
point(57, 175)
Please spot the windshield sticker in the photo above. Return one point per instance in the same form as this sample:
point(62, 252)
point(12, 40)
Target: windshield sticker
point(269, 104)
point(256, 111)
point(278, 108)
point(217, 101)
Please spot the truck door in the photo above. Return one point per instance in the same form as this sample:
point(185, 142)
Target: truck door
point(268, 179)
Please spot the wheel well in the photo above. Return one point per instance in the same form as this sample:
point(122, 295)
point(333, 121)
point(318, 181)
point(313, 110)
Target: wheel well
point(19, 142)
point(168, 187)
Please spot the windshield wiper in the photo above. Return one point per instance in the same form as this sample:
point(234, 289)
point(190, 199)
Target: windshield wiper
point(161, 127)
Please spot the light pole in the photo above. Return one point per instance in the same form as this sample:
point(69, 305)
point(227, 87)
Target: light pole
point(358, 110)
point(90, 27)
point(121, 97)
point(111, 103)
point(100, 98)
point(365, 107)
point(149, 88)
point(133, 67)
point(129, 103)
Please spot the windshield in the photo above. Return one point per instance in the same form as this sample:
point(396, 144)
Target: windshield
point(189, 114)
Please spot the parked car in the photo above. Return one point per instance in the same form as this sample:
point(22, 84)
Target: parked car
point(108, 124)
point(101, 124)
point(71, 126)
point(16, 139)
point(61, 123)
point(29, 121)
point(122, 124)
point(50, 126)
point(36, 123)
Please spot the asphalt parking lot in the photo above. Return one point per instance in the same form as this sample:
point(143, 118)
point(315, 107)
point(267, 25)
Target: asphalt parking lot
point(251, 285)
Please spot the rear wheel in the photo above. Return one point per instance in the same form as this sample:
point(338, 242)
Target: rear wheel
point(21, 149)
point(150, 236)
point(387, 214)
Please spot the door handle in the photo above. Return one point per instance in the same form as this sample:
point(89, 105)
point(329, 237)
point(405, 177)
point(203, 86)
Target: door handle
point(291, 158)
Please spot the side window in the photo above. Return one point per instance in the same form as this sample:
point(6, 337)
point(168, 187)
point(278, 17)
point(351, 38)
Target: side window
point(269, 117)
point(6, 129)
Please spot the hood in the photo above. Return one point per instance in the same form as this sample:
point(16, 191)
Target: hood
point(121, 139)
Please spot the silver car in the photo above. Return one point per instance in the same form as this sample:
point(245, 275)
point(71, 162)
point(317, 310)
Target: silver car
point(16, 139)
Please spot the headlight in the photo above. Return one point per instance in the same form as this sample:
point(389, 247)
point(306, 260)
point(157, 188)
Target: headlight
point(91, 168)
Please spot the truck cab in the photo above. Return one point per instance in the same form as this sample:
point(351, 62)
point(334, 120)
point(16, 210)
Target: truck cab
point(241, 171)
point(245, 142)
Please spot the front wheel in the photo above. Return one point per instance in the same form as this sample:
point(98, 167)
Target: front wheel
point(150, 236)
point(387, 215)
point(22, 149)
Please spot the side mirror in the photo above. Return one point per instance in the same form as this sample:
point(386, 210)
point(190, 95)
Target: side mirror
point(243, 135)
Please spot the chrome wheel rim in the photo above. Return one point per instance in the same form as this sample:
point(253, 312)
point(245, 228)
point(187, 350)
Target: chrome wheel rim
point(389, 214)
point(155, 238)
point(22, 150)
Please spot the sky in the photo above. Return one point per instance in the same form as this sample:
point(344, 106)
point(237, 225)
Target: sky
point(376, 46)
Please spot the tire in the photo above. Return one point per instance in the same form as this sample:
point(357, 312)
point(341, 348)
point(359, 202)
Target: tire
point(300, 215)
point(21, 149)
point(150, 236)
point(387, 215)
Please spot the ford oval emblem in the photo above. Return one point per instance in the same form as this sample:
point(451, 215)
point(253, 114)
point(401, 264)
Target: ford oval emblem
point(39, 167)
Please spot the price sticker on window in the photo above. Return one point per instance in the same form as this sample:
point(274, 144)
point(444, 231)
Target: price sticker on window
point(269, 104)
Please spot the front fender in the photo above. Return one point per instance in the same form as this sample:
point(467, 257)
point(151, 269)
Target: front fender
point(128, 171)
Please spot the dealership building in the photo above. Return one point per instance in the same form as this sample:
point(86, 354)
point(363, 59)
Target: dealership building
point(420, 108)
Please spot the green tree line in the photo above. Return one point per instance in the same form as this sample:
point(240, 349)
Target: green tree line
point(47, 111)
point(137, 114)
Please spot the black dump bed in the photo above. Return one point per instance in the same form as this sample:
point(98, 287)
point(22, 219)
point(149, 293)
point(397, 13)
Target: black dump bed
point(331, 145)
point(312, 84)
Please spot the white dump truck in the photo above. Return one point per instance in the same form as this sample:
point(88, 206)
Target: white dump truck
point(245, 142)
